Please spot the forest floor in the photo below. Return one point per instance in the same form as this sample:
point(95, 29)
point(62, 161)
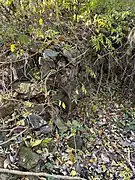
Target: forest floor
point(96, 142)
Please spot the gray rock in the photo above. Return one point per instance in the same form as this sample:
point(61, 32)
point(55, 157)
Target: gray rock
point(50, 53)
point(46, 129)
point(27, 158)
point(36, 121)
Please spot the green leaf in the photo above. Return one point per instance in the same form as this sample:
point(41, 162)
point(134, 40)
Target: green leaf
point(46, 141)
point(95, 43)
point(40, 34)
point(109, 43)
point(23, 39)
point(91, 72)
point(94, 108)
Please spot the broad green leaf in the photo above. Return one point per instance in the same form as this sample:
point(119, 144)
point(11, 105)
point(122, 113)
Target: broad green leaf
point(23, 39)
point(46, 141)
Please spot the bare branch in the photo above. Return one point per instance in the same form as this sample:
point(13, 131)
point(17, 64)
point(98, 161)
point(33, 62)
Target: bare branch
point(22, 173)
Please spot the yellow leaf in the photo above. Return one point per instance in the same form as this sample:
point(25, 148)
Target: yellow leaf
point(26, 113)
point(21, 51)
point(40, 34)
point(92, 160)
point(41, 21)
point(83, 89)
point(63, 105)
point(12, 47)
point(34, 9)
point(21, 123)
point(104, 168)
point(73, 173)
point(121, 106)
point(28, 104)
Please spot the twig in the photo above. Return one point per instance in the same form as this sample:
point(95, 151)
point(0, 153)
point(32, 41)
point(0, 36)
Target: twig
point(129, 162)
point(100, 81)
point(5, 142)
point(79, 56)
point(47, 77)
point(22, 173)
point(23, 59)
point(4, 54)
